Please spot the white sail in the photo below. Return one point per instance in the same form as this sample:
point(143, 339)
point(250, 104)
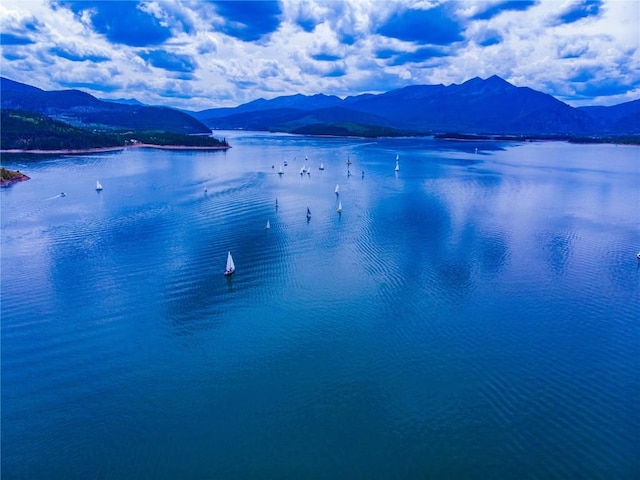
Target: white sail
point(268, 225)
point(321, 166)
point(280, 172)
point(231, 267)
point(98, 185)
point(337, 188)
point(339, 207)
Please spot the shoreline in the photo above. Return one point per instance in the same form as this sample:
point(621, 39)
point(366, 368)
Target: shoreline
point(115, 149)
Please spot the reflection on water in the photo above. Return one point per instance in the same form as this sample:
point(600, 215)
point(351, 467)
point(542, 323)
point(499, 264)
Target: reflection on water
point(472, 315)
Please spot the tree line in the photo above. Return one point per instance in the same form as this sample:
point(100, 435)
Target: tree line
point(22, 130)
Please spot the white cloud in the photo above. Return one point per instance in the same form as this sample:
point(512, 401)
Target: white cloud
point(593, 60)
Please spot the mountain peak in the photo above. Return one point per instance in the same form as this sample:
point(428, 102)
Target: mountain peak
point(477, 86)
point(496, 80)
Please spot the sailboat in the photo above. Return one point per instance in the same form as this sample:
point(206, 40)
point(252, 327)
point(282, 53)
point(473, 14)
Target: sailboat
point(321, 166)
point(339, 207)
point(231, 267)
point(397, 164)
point(98, 185)
point(337, 189)
point(308, 213)
point(280, 172)
point(268, 225)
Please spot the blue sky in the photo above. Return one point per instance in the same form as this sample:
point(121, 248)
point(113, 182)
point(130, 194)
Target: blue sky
point(199, 54)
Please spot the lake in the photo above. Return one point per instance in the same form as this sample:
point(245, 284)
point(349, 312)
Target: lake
point(474, 315)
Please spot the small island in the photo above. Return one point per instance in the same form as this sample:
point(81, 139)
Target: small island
point(9, 177)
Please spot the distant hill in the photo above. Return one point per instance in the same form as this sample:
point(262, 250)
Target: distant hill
point(623, 118)
point(32, 131)
point(483, 107)
point(124, 101)
point(291, 102)
point(292, 120)
point(83, 110)
point(22, 130)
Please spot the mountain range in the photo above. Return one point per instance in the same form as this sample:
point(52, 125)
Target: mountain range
point(80, 109)
point(478, 106)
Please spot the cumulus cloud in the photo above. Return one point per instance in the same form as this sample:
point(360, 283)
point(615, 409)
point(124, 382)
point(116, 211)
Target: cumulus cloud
point(201, 54)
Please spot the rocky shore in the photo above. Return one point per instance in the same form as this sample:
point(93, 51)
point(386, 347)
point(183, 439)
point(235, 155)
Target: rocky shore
point(9, 177)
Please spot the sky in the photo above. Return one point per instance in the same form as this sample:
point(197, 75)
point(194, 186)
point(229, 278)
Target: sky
point(197, 54)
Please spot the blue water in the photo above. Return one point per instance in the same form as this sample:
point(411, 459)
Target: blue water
point(476, 315)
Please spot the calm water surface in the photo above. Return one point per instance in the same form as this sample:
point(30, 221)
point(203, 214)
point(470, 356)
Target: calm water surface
point(476, 315)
